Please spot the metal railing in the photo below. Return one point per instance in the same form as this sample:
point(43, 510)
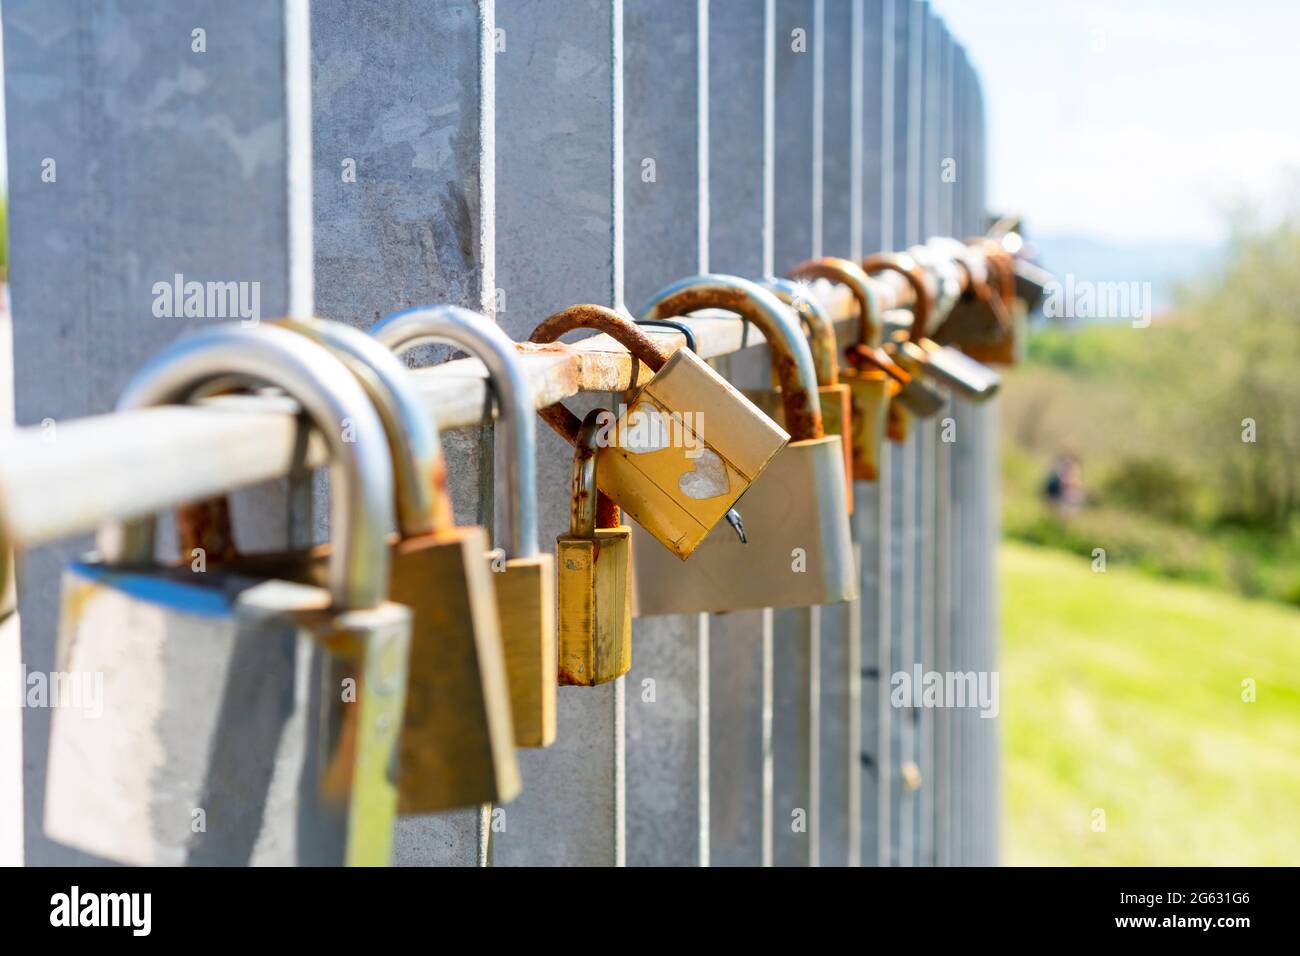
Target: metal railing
point(552, 153)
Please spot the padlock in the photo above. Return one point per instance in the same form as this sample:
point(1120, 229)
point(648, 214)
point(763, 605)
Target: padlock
point(875, 380)
point(922, 356)
point(980, 323)
point(525, 580)
point(799, 551)
point(457, 744)
point(945, 275)
point(1031, 280)
point(243, 720)
point(832, 394)
point(898, 420)
point(594, 572)
point(1007, 346)
point(687, 443)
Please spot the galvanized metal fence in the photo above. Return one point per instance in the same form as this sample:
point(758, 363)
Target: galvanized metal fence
point(353, 157)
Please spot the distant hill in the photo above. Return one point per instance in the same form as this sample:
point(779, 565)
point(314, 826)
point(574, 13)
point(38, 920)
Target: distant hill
point(1163, 264)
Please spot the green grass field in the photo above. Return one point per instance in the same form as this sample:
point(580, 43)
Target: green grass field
point(1124, 693)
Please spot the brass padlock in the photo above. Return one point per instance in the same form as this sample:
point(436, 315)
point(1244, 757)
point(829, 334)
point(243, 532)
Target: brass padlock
point(525, 580)
point(457, 745)
point(688, 444)
point(595, 573)
point(874, 379)
point(799, 552)
point(243, 720)
point(832, 394)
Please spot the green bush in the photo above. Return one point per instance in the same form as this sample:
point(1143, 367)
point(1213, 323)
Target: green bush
point(1188, 431)
point(1152, 485)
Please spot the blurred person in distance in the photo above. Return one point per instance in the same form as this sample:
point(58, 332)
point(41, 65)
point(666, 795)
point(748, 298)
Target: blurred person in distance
point(1064, 486)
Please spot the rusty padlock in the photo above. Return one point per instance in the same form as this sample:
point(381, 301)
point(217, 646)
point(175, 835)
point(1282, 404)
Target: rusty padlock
point(1006, 345)
point(921, 355)
point(263, 709)
point(899, 415)
point(799, 552)
point(980, 324)
point(595, 572)
point(457, 744)
point(525, 580)
point(834, 396)
point(875, 380)
point(871, 377)
point(687, 443)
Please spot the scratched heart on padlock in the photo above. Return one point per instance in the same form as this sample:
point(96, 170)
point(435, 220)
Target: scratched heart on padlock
point(708, 479)
point(645, 429)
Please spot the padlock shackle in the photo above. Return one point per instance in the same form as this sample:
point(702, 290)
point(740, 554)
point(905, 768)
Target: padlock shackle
point(485, 340)
point(1001, 267)
point(582, 518)
point(968, 258)
point(791, 356)
point(819, 326)
point(361, 473)
point(851, 275)
point(419, 469)
point(941, 267)
point(915, 276)
point(601, 319)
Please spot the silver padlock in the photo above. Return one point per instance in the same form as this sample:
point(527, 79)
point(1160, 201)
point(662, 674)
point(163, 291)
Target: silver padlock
point(525, 579)
point(799, 551)
point(912, 349)
point(244, 720)
point(457, 745)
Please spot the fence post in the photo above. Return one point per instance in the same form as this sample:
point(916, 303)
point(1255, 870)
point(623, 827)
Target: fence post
point(796, 640)
point(211, 182)
point(927, 435)
point(872, 499)
point(740, 243)
point(559, 233)
point(665, 91)
point(841, 235)
point(404, 213)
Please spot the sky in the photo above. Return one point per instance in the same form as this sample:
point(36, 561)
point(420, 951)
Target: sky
point(1135, 120)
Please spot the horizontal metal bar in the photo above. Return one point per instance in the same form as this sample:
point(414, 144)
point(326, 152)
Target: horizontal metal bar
point(67, 478)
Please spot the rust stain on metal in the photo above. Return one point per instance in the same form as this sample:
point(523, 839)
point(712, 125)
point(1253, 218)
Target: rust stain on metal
point(871, 357)
point(207, 525)
point(849, 274)
point(915, 276)
point(820, 331)
point(593, 373)
point(601, 319)
point(803, 416)
point(442, 516)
